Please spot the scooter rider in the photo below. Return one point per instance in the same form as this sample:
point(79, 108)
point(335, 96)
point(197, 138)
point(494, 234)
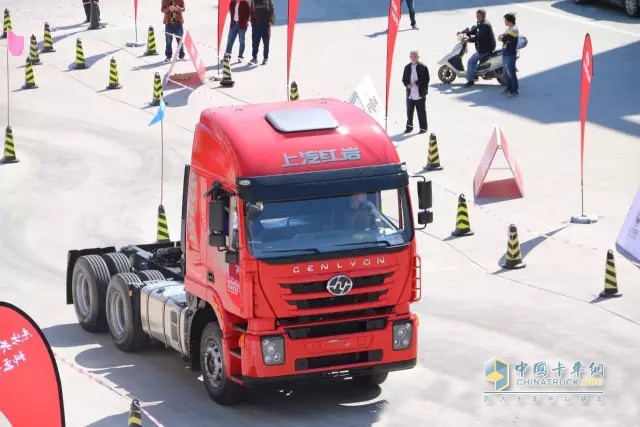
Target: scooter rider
point(485, 41)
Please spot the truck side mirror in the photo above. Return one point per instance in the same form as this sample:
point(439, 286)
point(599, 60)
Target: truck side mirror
point(216, 223)
point(425, 197)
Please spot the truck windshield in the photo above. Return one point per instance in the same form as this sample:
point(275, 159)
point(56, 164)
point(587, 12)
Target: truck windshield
point(312, 226)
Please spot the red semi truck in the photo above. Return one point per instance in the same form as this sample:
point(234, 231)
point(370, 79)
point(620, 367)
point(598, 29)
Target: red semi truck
point(297, 256)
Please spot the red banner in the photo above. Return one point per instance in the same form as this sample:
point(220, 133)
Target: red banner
point(135, 11)
point(223, 10)
point(30, 390)
point(585, 88)
point(293, 13)
point(392, 32)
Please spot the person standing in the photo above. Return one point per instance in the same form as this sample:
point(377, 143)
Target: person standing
point(509, 41)
point(482, 35)
point(87, 10)
point(412, 13)
point(173, 21)
point(239, 11)
point(262, 17)
point(415, 79)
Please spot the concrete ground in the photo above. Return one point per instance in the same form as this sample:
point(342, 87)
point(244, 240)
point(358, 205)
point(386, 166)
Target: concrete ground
point(89, 176)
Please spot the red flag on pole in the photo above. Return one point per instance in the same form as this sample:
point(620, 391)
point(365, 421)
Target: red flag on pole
point(223, 9)
point(15, 43)
point(135, 11)
point(585, 89)
point(293, 13)
point(30, 389)
point(392, 32)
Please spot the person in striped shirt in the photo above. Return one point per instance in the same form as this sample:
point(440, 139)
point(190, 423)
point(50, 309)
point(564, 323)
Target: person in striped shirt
point(509, 41)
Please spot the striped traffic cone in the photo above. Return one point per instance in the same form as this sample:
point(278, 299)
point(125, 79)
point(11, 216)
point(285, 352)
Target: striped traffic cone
point(433, 158)
point(610, 278)
point(9, 155)
point(513, 259)
point(47, 45)
point(80, 64)
point(163, 227)
point(29, 77)
point(463, 225)
point(135, 414)
point(293, 95)
point(7, 24)
point(114, 80)
point(157, 90)
point(226, 73)
point(34, 55)
point(151, 43)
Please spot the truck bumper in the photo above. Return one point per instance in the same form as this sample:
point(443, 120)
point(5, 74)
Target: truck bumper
point(367, 370)
point(333, 356)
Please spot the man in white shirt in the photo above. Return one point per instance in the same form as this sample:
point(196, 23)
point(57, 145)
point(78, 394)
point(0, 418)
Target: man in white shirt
point(415, 79)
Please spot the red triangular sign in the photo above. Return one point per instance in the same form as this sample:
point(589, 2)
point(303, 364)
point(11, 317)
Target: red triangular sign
point(503, 188)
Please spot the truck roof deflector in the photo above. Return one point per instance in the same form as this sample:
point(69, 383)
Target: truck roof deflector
point(303, 119)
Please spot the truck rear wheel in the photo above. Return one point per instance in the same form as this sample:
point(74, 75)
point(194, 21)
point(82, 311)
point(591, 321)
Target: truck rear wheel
point(150, 275)
point(89, 285)
point(219, 386)
point(124, 323)
point(117, 262)
point(371, 380)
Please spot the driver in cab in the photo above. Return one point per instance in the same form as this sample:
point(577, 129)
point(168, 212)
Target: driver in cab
point(361, 213)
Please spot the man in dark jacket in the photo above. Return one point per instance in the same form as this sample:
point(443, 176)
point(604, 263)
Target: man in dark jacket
point(173, 26)
point(482, 35)
point(262, 17)
point(239, 11)
point(509, 41)
point(87, 10)
point(415, 79)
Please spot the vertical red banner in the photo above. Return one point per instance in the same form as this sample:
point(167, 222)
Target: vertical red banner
point(223, 10)
point(392, 32)
point(585, 88)
point(292, 14)
point(30, 389)
point(135, 11)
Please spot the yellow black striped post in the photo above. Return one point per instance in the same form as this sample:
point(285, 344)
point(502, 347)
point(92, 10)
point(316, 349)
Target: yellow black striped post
point(9, 155)
point(463, 225)
point(34, 55)
point(293, 94)
point(151, 43)
point(226, 73)
point(7, 24)
point(433, 158)
point(610, 278)
point(135, 414)
point(114, 79)
point(163, 227)
point(80, 64)
point(157, 90)
point(47, 45)
point(513, 259)
point(29, 77)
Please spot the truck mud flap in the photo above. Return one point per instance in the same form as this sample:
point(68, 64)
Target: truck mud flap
point(73, 256)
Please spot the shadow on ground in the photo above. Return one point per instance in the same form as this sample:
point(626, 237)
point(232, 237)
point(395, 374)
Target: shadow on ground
point(159, 375)
point(528, 246)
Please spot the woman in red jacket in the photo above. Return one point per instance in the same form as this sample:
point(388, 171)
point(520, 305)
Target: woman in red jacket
point(239, 11)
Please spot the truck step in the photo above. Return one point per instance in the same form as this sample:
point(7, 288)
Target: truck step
point(235, 352)
point(240, 327)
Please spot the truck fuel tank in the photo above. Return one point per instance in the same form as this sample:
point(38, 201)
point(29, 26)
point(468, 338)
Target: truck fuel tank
point(165, 315)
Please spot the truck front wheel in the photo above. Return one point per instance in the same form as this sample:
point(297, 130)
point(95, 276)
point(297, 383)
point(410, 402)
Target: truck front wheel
point(220, 388)
point(371, 380)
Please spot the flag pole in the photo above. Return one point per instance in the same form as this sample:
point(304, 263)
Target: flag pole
point(8, 86)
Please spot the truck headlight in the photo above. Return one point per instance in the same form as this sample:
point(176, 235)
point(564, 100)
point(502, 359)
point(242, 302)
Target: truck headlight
point(272, 350)
point(402, 334)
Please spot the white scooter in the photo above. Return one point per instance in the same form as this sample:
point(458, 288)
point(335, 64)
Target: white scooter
point(490, 67)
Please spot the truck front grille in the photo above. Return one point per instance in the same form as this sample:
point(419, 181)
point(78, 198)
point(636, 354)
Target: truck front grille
point(338, 360)
point(336, 328)
point(319, 296)
point(298, 320)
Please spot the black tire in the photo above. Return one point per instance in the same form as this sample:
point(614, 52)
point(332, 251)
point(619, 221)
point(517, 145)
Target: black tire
point(117, 262)
point(124, 323)
point(220, 388)
point(150, 275)
point(632, 7)
point(582, 1)
point(501, 76)
point(89, 286)
point(446, 74)
point(371, 380)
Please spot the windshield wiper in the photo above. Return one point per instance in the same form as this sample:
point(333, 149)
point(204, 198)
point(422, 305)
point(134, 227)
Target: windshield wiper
point(365, 243)
point(313, 250)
